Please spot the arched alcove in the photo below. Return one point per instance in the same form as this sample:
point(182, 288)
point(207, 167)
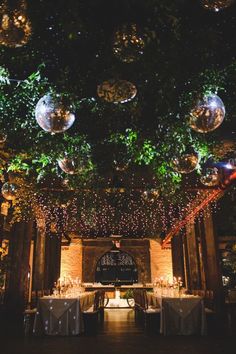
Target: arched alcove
point(116, 268)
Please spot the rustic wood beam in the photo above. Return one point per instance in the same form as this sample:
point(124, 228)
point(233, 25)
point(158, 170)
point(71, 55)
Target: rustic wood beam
point(198, 204)
point(193, 257)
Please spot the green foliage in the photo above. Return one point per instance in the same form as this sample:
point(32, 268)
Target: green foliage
point(18, 164)
point(4, 76)
point(129, 294)
point(184, 58)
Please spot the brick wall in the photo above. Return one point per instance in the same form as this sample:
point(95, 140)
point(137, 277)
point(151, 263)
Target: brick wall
point(71, 259)
point(161, 261)
point(151, 260)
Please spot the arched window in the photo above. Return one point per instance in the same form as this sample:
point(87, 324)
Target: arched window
point(116, 268)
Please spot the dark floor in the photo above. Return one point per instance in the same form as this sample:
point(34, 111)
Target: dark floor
point(120, 335)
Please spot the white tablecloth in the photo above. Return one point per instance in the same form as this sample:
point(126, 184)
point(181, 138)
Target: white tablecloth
point(61, 316)
point(180, 315)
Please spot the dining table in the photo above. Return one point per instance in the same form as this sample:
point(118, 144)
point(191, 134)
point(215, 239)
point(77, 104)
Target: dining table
point(180, 315)
point(62, 315)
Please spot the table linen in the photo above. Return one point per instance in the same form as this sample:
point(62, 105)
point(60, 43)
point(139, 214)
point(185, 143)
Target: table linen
point(61, 316)
point(184, 315)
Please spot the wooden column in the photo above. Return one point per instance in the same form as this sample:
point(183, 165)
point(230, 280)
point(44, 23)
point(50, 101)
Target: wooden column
point(47, 259)
point(212, 264)
point(186, 262)
point(193, 257)
point(178, 257)
point(199, 227)
point(16, 295)
point(52, 259)
point(39, 257)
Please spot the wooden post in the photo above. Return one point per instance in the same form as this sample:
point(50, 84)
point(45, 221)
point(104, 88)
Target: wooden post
point(39, 258)
point(199, 227)
point(47, 259)
point(193, 257)
point(52, 259)
point(178, 257)
point(212, 266)
point(17, 284)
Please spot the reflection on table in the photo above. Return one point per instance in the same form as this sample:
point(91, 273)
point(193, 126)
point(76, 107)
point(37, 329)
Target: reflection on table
point(180, 315)
point(60, 315)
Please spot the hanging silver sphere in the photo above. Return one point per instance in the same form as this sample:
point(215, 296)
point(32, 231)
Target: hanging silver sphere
point(186, 163)
point(117, 91)
point(208, 114)
point(128, 44)
point(216, 5)
point(15, 27)
point(210, 177)
point(53, 115)
point(151, 195)
point(70, 166)
point(9, 191)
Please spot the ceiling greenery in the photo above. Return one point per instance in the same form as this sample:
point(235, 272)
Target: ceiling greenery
point(188, 53)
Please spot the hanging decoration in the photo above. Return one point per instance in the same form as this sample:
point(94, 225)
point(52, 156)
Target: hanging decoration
point(216, 5)
point(186, 163)
point(53, 114)
point(121, 165)
point(210, 177)
point(208, 114)
point(9, 191)
point(15, 27)
point(117, 91)
point(151, 195)
point(70, 166)
point(128, 44)
point(121, 161)
point(3, 137)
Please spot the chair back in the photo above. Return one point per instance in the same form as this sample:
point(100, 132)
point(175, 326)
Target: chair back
point(140, 298)
point(209, 300)
point(96, 301)
point(232, 296)
point(101, 298)
point(199, 292)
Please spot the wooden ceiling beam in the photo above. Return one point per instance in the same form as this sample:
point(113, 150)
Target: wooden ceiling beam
point(195, 209)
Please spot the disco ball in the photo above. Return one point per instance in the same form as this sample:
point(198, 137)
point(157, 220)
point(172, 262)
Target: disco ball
point(208, 114)
point(15, 27)
point(128, 44)
point(70, 166)
point(185, 163)
point(3, 137)
point(53, 115)
point(216, 5)
point(210, 177)
point(9, 191)
point(121, 163)
point(120, 166)
point(117, 91)
point(150, 195)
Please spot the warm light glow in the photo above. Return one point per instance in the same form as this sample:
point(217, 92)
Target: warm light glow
point(15, 27)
